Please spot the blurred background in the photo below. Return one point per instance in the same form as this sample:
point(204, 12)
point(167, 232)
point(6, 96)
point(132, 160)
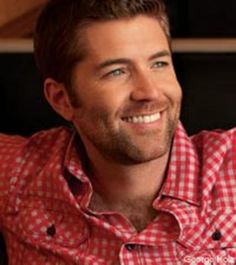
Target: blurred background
point(204, 52)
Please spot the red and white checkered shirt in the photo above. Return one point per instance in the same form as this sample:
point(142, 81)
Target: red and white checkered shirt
point(44, 198)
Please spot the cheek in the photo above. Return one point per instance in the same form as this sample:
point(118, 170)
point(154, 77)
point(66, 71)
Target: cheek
point(103, 105)
point(173, 92)
point(177, 94)
point(92, 116)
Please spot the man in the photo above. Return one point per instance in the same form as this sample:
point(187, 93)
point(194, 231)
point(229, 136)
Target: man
point(127, 186)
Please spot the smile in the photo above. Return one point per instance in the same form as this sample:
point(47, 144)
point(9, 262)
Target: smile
point(143, 118)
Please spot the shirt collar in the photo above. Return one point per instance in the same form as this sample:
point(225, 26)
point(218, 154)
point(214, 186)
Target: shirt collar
point(183, 169)
point(182, 174)
point(75, 163)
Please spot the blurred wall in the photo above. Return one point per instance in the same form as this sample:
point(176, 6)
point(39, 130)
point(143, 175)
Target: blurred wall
point(12, 9)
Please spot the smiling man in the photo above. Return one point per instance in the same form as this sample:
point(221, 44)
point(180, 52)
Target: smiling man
point(126, 185)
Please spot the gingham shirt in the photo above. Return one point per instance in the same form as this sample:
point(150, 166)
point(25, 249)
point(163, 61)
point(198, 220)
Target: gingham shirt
point(44, 198)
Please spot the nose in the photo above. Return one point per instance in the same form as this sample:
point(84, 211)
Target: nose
point(144, 87)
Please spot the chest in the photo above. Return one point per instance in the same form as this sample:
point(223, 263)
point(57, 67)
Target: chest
point(52, 233)
point(138, 212)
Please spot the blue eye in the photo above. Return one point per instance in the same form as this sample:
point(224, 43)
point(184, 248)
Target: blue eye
point(160, 64)
point(116, 72)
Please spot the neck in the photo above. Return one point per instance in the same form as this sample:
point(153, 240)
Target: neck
point(128, 190)
point(115, 183)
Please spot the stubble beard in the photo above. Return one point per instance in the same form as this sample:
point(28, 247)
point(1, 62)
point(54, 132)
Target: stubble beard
point(118, 146)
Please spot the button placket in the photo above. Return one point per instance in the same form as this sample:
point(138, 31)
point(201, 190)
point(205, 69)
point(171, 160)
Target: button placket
point(216, 236)
point(130, 247)
point(51, 230)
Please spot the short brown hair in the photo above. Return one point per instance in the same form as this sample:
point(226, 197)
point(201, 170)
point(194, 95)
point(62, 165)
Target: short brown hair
point(57, 38)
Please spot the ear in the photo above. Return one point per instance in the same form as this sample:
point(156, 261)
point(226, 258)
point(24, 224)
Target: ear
point(58, 98)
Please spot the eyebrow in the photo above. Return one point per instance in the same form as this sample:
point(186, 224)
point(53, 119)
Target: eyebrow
point(160, 54)
point(110, 62)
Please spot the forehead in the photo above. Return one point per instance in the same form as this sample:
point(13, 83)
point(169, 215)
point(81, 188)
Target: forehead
point(124, 37)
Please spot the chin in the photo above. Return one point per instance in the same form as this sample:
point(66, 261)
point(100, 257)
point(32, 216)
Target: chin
point(140, 155)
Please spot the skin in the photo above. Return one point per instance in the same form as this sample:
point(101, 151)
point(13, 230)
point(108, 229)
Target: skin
point(127, 72)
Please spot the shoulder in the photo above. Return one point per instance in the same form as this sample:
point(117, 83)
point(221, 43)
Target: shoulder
point(215, 141)
point(54, 138)
point(17, 150)
point(217, 156)
point(11, 145)
point(20, 156)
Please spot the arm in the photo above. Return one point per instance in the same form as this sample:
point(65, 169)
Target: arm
point(9, 148)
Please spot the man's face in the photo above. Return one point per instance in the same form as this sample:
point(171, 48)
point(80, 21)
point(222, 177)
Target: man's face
point(127, 92)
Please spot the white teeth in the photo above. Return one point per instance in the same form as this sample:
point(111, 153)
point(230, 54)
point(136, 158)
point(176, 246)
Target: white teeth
point(144, 118)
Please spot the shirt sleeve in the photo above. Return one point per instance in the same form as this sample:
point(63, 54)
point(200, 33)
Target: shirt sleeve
point(233, 165)
point(9, 148)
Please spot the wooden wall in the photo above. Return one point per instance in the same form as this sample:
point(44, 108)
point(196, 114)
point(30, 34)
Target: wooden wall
point(17, 17)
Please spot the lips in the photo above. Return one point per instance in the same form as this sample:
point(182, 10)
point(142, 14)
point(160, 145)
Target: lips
point(150, 118)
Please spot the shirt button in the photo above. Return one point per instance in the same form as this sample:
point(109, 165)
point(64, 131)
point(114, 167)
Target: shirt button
point(130, 247)
point(216, 236)
point(51, 230)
